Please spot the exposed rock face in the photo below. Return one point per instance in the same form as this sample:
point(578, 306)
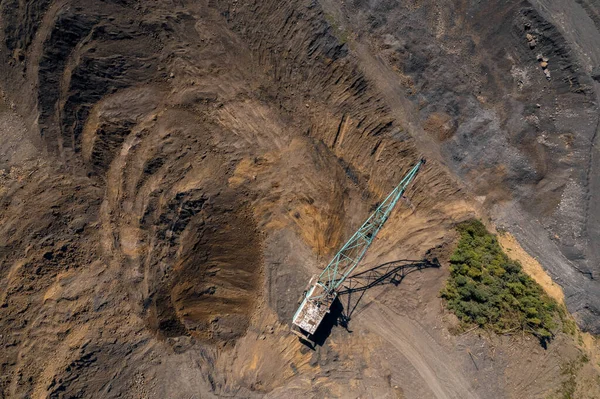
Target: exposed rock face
point(518, 123)
point(198, 161)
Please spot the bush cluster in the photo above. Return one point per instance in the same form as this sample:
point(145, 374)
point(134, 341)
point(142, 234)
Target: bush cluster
point(489, 289)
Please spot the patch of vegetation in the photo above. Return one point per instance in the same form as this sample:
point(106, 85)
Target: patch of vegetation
point(489, 289)
point(568, 386)
point(340, 33)
point(568, 324)
point(570, 369)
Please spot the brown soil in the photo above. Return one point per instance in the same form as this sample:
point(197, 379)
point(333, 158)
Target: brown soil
point(173, 172)
point(531, 266)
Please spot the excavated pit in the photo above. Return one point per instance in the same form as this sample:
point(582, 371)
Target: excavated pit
point(216, 281)
point(182, 168)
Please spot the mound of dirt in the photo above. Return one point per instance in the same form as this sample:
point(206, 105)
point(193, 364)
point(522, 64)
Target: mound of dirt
point(175, 171)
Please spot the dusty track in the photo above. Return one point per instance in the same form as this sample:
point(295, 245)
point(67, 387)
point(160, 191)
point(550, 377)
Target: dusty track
point(440, 373)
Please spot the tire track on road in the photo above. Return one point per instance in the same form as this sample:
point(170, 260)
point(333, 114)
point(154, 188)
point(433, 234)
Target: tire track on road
point(439, 372)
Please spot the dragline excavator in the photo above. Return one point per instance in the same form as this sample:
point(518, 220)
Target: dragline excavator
point(322, 290)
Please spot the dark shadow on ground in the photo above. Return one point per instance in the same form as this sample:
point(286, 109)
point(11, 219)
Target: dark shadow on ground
point(357, 285)
point(394, 272)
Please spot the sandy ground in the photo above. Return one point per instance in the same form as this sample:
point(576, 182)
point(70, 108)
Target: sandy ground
point(170, 185)
point(531, 266)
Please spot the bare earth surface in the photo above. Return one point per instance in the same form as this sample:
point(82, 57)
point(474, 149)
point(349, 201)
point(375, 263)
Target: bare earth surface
point(173, 172)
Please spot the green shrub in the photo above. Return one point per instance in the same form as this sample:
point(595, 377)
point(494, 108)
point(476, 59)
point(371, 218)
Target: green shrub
point(489, 289)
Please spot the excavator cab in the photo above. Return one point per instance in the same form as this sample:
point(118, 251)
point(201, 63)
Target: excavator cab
point(315, 304)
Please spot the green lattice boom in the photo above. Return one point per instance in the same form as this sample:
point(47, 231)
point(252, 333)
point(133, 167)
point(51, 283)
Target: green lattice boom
point(350, 255)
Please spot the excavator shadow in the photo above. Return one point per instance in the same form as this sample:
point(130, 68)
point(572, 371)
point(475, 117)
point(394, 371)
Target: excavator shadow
point(394, 272)
point(357, 285)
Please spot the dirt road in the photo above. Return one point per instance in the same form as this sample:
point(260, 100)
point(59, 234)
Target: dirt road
point(439, 372)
